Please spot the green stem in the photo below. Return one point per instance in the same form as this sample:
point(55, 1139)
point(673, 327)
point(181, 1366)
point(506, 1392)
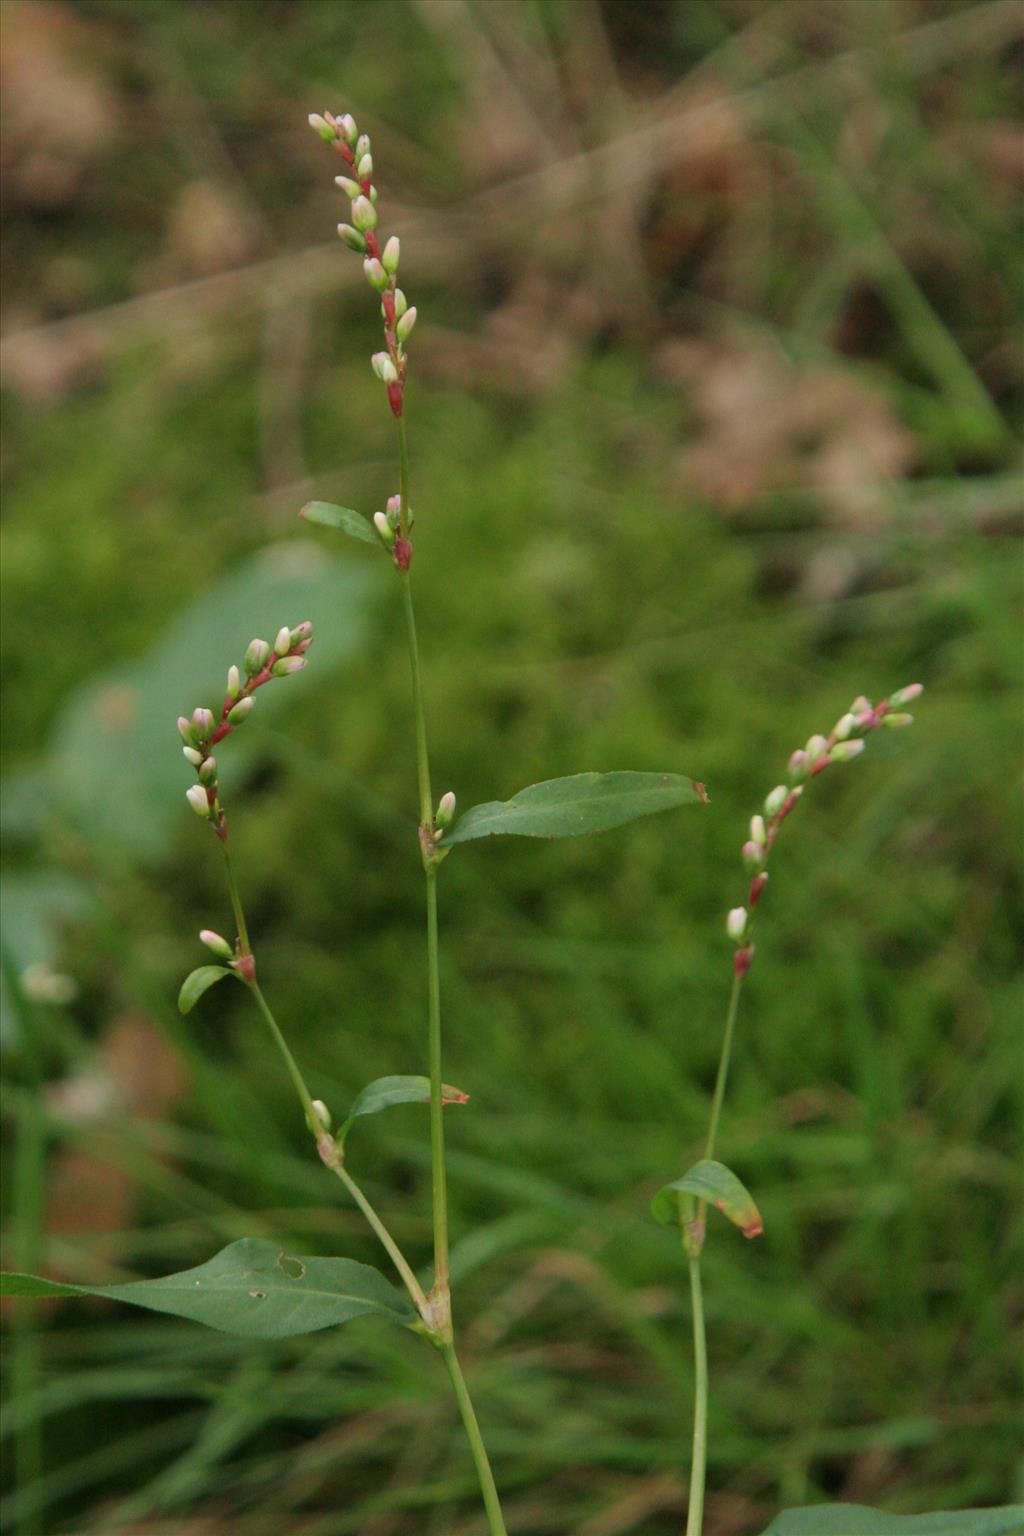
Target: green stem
point(693, 1242)
point(236, 905)
point(392, 1249)
point(698, 1466)
point(438, 1180)
point(492, 1504)
point(441, 1293)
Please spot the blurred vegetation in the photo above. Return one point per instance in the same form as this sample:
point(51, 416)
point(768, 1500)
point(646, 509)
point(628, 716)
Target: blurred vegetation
point(713, 423)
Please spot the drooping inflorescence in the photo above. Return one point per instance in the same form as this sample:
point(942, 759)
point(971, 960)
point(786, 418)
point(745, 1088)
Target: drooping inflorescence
point(204, 730)
point(844, 742)
point(380, 263)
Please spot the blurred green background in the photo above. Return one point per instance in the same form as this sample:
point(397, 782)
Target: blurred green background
point(712, 424)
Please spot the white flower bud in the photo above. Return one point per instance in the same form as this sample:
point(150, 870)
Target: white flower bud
point(736, 924)
point(196, 797)
point(906, 695)
point(287, 665)
point(241, 711)
point(384, 368)
point(208, 771)
point(192, 756)
point(401, 303)
point(364, 169)
point(390, 254)
point(186, 731)
point(445, 810)
point(347, 124)
point(322, 1113)
point(845, 751)
point(384, 528)
point(204, 723)
point(234, 683)
point(351, 188)
point(362, 147)
point(758, 831)
point(283, 640)
point(321, 126)
point(405, 325)
point(817, 746)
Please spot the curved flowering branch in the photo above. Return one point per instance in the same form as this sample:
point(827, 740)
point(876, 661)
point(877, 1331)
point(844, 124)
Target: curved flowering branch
point(204, 730)
point(843, 743)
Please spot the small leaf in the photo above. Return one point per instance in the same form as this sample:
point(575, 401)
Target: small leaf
point(252, 1288)
point(856, 1520)
point(199, 981)
point(383, 1092)
point(353, 523)
point(720, 1187)
point(586, 802)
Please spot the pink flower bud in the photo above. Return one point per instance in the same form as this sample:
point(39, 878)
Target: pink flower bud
point(775, 801)
point(351, 188)
point(321, 126)
point(906, 695)
point(403, 330)
point(799, 764)
point(753, 855)
point(384, 368)
point(846, 751)
point(241, 711)
point(286, 666)
point(375, 274)
point(390, 254)
point(347, 124)
point(204, 723)
point(283, 640)
point(364, 214)
point(214, 941)
point(208, 771)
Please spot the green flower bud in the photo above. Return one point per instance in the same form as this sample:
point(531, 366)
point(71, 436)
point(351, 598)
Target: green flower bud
point(405, 325)
point(321, 126)
point(445, 810)
point(204, 723)
point(187, 732)
point(364, 168)
point(364, 214)
point(758, 831)
point(208, 771)
point(283, 640)
point(390, 254)
point(347, 124)
point(256, 655)
point(362, 147)
point(401, 303)
point(844, 726)
point(775, 801)
point(845, 751)
point(351, 188)
point(322, 1113)
point(817, 746)
point(286, 666)
point(196, 797)
point(241, 711)
point(352, 238)
point(375, 274)
point(303, 631)
point(234, 683)
point(214, 941)
point(895, 722)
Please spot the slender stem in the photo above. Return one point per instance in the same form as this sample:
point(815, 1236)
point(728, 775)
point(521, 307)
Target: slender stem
point(395, 1253)
point(392, 1249)
point(723, 1064)
point(698, 1466)
point(422, 755)
point(236, 904)
point(438, 1180)
point(693, 1242)
point(492, 1504)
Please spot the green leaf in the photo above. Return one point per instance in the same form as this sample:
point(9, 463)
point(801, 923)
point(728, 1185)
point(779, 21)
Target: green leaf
point(252, 1288)
point(586, 802)
point(352, 523)
point(383, 1092)
point(720, 1187)
point(199, 981)
point(856, 1520)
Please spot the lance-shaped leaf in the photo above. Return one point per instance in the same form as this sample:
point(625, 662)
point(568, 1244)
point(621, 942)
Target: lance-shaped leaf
point(586, 802)
point(353, 523)
point(199, 981)
point(383, 1092)
point(857, 1520)
point(252, 1288)
point(720, 1187)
